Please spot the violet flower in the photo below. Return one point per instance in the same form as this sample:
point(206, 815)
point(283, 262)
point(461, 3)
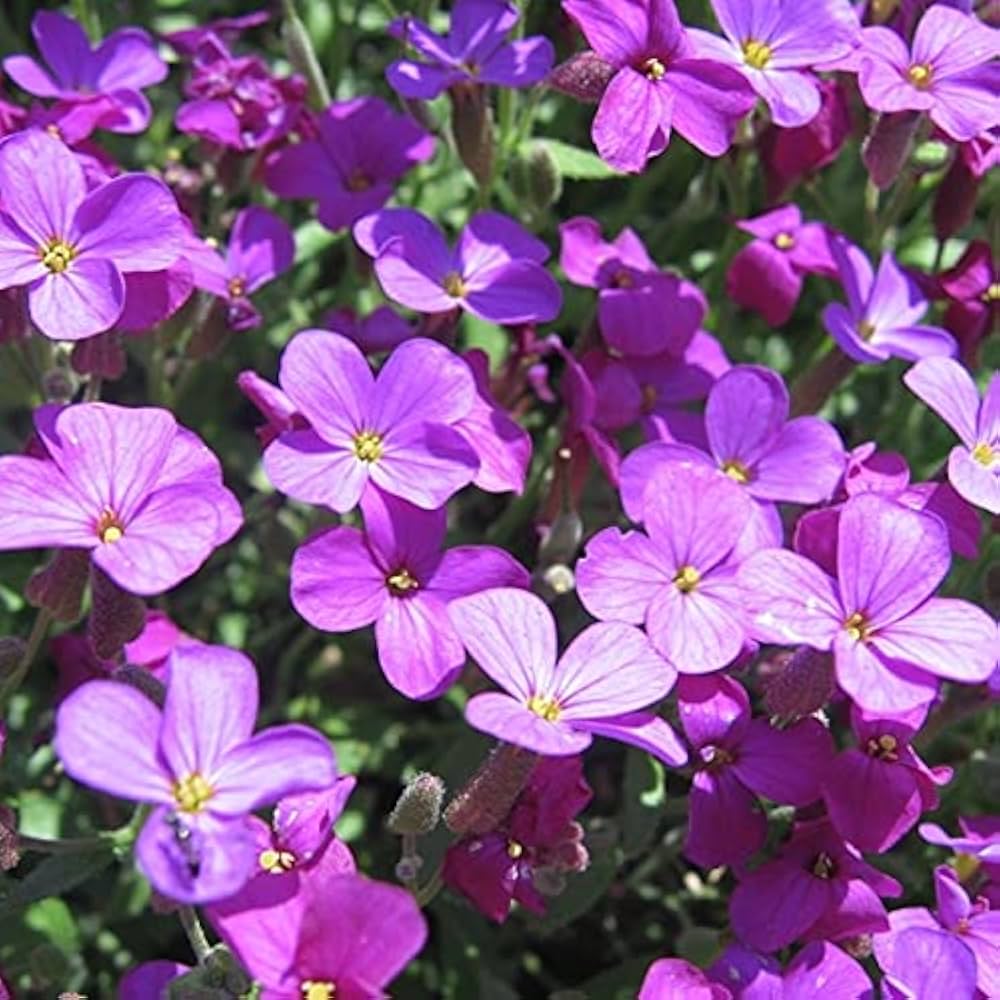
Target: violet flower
point(195, 761)
point(767, 274)
point(111, 75)
point(775, 45)
point(151, 979)
point(974, 465)
point(395, 575)
point(936, 965)
point(142, 494)
point(883, 311)
point(71, 248)
point(494, 271)
point(660, 83)
point(972, 288)
point(395, 430)
point(980, 839)
point(741, 758)
point(599, 685)
point(361, 150)
point(676, 977)
point(380, 331)
point(261, 246)
point(475, 51)
point(891, 638)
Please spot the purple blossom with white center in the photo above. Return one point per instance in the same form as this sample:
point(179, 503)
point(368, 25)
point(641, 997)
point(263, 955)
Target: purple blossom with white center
point(774, 45)
point(678, 578)
point(741, 758)
point(196, 762)
point(948, 389)
point(395, 430)
point(71, 247)
point(660, 83)
point(767, 274)
point(970, 922)
point(883, 311)
point(395, 575)
point(361, 149)
point(475, 51)
point(950, 72)
point(142, 494)
point(876, 791)
point(599, 687)
point(261, 246)
point(892, 640)
point(494, 271)
point(111, 75)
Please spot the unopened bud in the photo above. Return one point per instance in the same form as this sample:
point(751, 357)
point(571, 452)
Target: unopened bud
point(10, 854)
point(554, 581)
point(141, 679)
point(101, 355)
point(408, 868)
point(59, 385)
point(116, 616)
point(472, 126)
point(802, 686)
point(859, 947)
point(12, 651)
point(535, 178)
point(955, 200)
point(888, 146)
point(548, 880)
point(483, 804)
point(418, 808)
point(59, 587)
point(563, 539)
point(585, 76)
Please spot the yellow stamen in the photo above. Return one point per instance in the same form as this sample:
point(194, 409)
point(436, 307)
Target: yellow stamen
point(454, 285)
point(650, 394)
point(109, 528)
point(686, 579)
point(545, 707)
point(316, 989)
point(823, 867)
point(984, 453)
point(401, 582)
point(992, 294)
point(654, 69)
point(858, 627)
point(622, 279)
point(737, 471)
point(57, 254)
point(237, 288)
point(886, 748)
point(784, 241)
point(514, 849)
point(276, 862)
point(192, 792)
point(866, 329)
point(920, 75)
point(756, 54)
point(368, 446)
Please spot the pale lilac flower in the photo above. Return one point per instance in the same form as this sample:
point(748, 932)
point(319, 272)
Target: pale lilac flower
point(676, 977)
point(948, 389)
point(142, 494)
point(196, 762)
point(892, 640)
point(936, 965)
point(71, 248)
point(980, 838)
point(883, 311)
point(775, 44)
point(599, 686)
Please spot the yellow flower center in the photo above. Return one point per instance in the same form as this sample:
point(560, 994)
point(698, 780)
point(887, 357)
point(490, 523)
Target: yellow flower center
point(545, 707)
point(192, 792)
point(358, 180)
point(57, 254)
point(858, 627)
point(316, 989)
point(686, 579)
point(514, 849)
point(368, 446)
point(276, 862)
point(886, 748)
point(784, 241)
point(866, 329)
point(992, 294)
point(402, 582)
point(454, 285)
point(622, 279)
point(109, 528)
point(237, 288)
point(717, 757)
point(756, 54)
point(984, 453)
point(654, 69)
point(824, 866)
point(920, 75)
point(737, 471)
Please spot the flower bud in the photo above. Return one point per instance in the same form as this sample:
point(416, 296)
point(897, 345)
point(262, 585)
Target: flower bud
point(554, 581)
point(418, 808)
point(59, 385)
point(549, 880)
point(101, 355)
point(585, 76)
point(10, 855)
point(535, 178)
point(141, 679)
point(888, 146)
point(59, 586)
point(116, 616)
point(483, 804)
point(11, 654)
point(859, 947)
point(408, 868)
point(472, 126)
point(955, 200)
point(803, 685)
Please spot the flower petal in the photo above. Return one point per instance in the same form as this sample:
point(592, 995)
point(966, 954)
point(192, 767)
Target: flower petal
point(85, 299)
point(619, 576)
point(511, 720)
point(724, 825)
point(39, 508)
point(947, 388)
point(709, 99)
point(804, 464)
point(518, 291)
point(878, 687)
point(639, 729)
point(784, 765)
point(746, 409)
point(975, 482)
point(775, 904)
point(629, 125)
point(305, 466)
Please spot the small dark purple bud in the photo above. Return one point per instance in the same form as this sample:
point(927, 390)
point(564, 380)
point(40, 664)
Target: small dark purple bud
point(141, 679)
point(418, 809)
point(102, 355)
point(859, 947)
point(955, 200)
point(888, 146)
point(483, 804)
point(472, 126)
point(801, 686)
point(585, 76)
point(116, 616)
point(59, 587)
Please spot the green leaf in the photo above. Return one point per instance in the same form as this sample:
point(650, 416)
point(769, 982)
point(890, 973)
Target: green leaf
point(55, 876)
point(578, 164)
point(643, 798)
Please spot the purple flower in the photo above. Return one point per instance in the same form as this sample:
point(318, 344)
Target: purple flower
point(891, 639)
point(774, 45)
point(195, 761)
point(660, 83)
point(70, 247)
point(395, 575)
point(767, 274)
point(875, 793)
point(395, 430)
point(974, 465)
point(881, 318)
point(361, 149)
point(675, 977)
point(972, 287)
point(936, 965)
point(978, 930)
point(606, 676)
point(381, 330)
point(950, 72)
point(980, 839)
point(474, 51)
point(494, 271)
point(112, 75)
point(144, 495)
point(741, 758)
point(149, 980)
point(678, 578)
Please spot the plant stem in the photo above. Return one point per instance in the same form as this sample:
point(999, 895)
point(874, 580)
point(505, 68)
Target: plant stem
point(434, 885)
point(35, 639)
point(68, 845)
point(816, 386)
point(195, 933)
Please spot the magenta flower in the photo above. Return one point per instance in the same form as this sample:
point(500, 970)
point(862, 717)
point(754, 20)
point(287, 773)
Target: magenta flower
point(949, 72)
point(767, 274)
point(881, 318)
point(659, 83)
point(642, 311)
point(599, 685)
point(395, 430)
point(774, 47)
point(972, 287)
point(677, 578)
point(395, 575)
point(817, 887)
point(195, 761)
point(494, 271)
point(936, 965)
point(980, 838)
point(111, 75)
point(144, 495)
point(975, 926)
point(474, 51)
point(741, 758)
point(361, 149)
point(676, 977)
point(974, 465)
point(151, 979)
point(891, 638)
point(875, 792)
point(71, 248)
point(261, 246)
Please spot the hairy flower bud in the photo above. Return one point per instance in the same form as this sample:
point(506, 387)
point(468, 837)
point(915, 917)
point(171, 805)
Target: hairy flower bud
point(585, 76)
point(101, 355)
point(483, 804)
point(10, 855)
point(141, 679)
point(418, 808)
point(116, 616)
point(801, 686)
point(888, 146)
point(535, 177)
point(59, 586)
point(472, 126)
point(11, 653)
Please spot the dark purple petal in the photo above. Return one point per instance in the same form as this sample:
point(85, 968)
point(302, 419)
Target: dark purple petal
point(519, 63)
point(761, 277)
point(775, 904)
point(709, 99)
point(785, 765)
point(724, 827)
point(261, 247)
point(519, 291)
point(632, 121)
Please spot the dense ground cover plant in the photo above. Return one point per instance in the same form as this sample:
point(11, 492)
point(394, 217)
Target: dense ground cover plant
point(480, 505)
